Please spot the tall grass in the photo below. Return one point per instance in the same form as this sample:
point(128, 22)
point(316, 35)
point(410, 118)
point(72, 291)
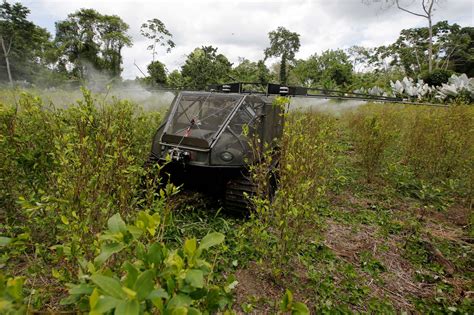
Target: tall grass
point(420, 145)
point(65, 171)
point(424, 152)
point(306, 157)
point(81, 208)
point(372, 131)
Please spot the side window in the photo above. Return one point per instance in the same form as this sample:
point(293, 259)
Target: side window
point(246, 117)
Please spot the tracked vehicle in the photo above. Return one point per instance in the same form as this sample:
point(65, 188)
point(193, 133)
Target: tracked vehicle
point(204, 139)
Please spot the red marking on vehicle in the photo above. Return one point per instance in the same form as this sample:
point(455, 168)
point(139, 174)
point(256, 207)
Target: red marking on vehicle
point(187, 132)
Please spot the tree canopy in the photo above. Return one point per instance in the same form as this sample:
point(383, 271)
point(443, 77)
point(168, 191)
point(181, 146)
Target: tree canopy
point(88, 41)
point(88, 44)
point(156, 31)
point(284, 44)
point(157, 73)
point(205, 66)
point(330, 69)
point(24, 45)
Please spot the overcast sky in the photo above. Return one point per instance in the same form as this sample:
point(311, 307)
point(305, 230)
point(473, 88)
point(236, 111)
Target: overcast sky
point(239, 28)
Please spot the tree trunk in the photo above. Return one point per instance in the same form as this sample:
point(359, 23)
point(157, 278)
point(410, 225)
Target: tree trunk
point(7, 62)
point(430, 45)
point(283, 69)
point(428, 11)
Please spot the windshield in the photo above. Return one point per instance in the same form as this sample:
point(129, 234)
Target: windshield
point(201, 115)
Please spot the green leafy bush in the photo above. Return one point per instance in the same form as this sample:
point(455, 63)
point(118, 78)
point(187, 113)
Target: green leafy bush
point(11, 295)
point(149, 277)
point(437, 77)
point(372, 136)
point(285, 222)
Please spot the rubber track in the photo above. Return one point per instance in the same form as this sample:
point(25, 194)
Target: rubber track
point(235, 199)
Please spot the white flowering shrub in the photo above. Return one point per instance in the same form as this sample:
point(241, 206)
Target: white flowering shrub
point(376, 91)
point(408, 88)
point(459, 88)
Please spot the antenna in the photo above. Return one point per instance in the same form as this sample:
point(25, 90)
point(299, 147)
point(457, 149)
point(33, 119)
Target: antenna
point(144, 75)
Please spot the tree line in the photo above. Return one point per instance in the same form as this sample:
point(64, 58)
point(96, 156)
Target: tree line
point(88, 42)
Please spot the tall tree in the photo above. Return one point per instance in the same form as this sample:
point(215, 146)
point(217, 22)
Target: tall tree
point(249, 71)
point(426, 11)
point(175, 79)
point(410, 50)
point(205, 66)
point(359, 56)
point(283, 44)
point(157, 73)
point(331, 69)
point(306, 72)
point(245, 71)
point(460, 57)
point(114, 37)
point(21, 41)
point(89, 39)
point(263, 73)
point(156, 31)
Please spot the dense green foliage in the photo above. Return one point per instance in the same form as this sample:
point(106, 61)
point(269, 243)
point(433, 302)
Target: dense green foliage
point(157, 73)
point(89, 41)
point(156, 31)
point(373, 211)
point(437, 77)
point(80, 212)
point(205, 66)
point(284, 44)
point(332, 69)
point(25, 48)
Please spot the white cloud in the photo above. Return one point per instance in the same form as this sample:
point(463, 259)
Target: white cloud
point(240, 28)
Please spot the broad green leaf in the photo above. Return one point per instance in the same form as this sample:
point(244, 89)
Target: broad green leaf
point(128, 308)
point(299, 309)
point(64, 220)
point(179, 311)
point(116, 224)
point(190, 247)
point(4, 241)
point(135, 231)
point(194, 311)
point(94, 298)
point(179, 300)
point(144, 284)
point(195, 278)
point(211, 239)
point(174, 260)
point(158, 293)
point(105, 304)
point(131, 294)
point(108, 250)
point(286, 301)
point(71, 299)
point(158, 303)
point(15, 287)
point(56, 274)
point(132, 274)
point(109, 236)
point(109, 286)
point(170, 284)
point(81, 289)
point(155, 254)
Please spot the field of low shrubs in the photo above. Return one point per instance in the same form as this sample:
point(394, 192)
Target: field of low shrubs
point(373, 214)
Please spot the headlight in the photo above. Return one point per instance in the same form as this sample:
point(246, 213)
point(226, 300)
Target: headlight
point(227, 156)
